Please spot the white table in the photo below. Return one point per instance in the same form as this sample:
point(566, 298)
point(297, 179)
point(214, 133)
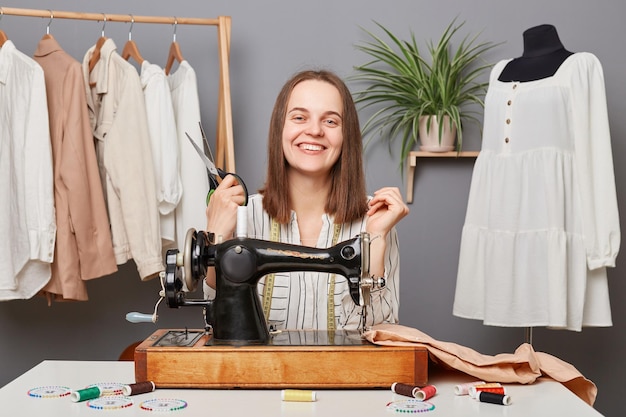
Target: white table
point(544, 398)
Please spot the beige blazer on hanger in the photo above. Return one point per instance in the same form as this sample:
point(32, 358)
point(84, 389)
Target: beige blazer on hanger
point(84, 249)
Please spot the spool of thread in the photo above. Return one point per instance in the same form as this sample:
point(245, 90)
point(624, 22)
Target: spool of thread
point(404, 389)
point(492, 398)
point(242, 221)
point(495, 388)
point(85, 394)
point(138, 388)
point(298, 395)
point(463, 389)
point(420, 394)
point(425, 393)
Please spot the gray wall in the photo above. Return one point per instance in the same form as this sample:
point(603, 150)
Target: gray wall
point(270, 40)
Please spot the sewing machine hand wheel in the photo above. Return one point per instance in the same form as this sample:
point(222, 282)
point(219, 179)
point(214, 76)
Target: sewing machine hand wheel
point(193, 270)
point(184, 270)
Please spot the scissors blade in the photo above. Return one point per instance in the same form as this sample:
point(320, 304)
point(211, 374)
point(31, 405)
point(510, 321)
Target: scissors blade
point(207, 162)
point(206, 142)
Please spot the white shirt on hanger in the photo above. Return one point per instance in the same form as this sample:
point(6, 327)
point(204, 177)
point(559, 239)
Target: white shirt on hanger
point(191, 210)
point(164, 144)
point(27, 219)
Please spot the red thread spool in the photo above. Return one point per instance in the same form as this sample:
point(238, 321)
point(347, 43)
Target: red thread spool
point(425, 393)
point(494, 388)
point(498, 390)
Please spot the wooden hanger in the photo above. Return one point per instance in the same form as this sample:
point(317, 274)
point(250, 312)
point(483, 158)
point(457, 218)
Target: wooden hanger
point(130, 49)
point(95, 57)
point(174, 54)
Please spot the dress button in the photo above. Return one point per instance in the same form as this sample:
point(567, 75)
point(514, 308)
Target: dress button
point(508, 121)
point(506, 140)
point(514, 86)
point(508, 103)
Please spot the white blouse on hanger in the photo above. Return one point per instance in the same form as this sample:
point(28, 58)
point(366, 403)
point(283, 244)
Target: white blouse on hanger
point(191, 210)
point(542, 221)
point(27, 216)
point(164, 145)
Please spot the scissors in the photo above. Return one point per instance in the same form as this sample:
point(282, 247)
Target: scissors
point(215, 172)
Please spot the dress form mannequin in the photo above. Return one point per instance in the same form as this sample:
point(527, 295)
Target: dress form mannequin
point(542, 56)
point(526, 257)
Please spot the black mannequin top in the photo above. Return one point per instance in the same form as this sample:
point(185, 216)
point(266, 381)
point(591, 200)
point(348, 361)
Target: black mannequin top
point(542, 56)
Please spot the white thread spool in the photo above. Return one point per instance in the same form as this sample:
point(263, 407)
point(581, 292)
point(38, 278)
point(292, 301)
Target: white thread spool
point(463, 389)
point(242, 221)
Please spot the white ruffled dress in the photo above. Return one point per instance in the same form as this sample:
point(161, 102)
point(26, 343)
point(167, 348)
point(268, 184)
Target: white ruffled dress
point(542, 221)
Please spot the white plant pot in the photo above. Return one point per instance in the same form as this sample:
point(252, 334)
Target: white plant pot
point(429, 135)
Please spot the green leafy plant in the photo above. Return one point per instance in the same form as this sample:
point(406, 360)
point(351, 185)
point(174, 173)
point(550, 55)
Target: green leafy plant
point(408, 85)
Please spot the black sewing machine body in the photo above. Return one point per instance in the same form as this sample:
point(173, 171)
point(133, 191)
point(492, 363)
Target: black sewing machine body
point(235, 315)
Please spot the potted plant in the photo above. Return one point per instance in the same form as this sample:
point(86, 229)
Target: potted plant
point(411, 87)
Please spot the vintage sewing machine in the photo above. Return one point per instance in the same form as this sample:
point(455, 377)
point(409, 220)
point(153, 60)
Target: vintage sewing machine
point(238, 350)
point(236, 315)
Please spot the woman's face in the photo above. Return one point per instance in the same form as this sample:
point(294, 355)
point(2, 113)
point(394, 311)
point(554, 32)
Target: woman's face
point(312, 134)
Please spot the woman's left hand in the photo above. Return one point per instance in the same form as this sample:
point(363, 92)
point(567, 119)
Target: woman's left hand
point(386, 209)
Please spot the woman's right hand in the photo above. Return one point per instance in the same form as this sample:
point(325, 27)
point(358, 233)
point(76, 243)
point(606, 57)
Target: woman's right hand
point(221, 213)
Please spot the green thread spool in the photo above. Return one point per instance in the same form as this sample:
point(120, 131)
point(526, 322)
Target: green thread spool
point(85, 394)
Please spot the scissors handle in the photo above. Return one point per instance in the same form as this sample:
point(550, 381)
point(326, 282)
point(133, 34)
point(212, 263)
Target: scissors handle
point(223, 174)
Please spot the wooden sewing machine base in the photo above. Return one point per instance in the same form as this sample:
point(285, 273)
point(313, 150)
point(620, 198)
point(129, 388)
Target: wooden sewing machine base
point(294, 359)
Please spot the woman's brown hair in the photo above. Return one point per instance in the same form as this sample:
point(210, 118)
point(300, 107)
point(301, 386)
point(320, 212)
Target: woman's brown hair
point(347, 200)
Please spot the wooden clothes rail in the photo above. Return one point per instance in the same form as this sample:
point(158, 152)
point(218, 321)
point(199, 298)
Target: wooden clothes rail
point(225, 152)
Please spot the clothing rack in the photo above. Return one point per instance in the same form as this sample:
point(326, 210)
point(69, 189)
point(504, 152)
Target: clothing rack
point(225, 152)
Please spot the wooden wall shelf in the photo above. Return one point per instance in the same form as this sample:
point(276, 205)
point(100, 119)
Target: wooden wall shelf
point(412, 162)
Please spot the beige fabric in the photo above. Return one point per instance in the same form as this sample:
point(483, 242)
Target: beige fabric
point(524, 366)
point(117, 112)
point(84, 249)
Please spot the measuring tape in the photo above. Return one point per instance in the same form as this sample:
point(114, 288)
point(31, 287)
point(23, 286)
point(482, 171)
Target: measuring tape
point(269, 279)
point(331, 286)
point(268, 290)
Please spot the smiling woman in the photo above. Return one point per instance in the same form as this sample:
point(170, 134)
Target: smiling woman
point(314, 195)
